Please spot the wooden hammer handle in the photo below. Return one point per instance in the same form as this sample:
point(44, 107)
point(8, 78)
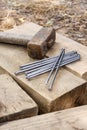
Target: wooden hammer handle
point(12, 38)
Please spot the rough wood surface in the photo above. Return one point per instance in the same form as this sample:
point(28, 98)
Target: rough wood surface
point(70, 119)
point(14, 102)
point(68, 90)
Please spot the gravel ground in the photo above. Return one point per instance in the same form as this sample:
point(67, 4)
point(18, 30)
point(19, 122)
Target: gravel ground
point(68, 17)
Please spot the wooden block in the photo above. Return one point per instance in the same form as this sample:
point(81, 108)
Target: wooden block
point(70, 119)
point(68, 90)
point(14, 102)
point(78, 68)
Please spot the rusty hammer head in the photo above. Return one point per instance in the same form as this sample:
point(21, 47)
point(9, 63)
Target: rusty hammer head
point(39, 45)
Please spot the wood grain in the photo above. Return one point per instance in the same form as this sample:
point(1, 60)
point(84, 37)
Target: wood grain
point(14, 102)
point(70, 119)
point(68, 91)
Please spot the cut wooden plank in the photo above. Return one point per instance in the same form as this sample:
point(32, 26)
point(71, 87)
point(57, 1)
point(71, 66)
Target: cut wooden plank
point(14, 102)
point(70, 119)
point(68, 90)
point(78, 68)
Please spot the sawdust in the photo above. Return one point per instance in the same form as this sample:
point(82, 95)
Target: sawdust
point(68, 17)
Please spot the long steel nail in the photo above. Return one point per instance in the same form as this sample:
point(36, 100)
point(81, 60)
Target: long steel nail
point(29, 68)
point(57, 68)
point(44, 60)
point(48, 64)
point(54, 65)
point(39, 72)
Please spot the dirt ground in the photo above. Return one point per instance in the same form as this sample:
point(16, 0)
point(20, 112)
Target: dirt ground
point(68, 17)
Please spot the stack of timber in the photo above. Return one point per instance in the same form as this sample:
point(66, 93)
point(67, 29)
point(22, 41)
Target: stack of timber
point(14, 102)
point(68, 91)
point(71, 119)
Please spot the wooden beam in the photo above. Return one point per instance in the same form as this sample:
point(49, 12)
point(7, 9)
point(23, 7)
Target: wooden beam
point(14, 102)
point(68, 90)
point(78, 68)
point(70, 119)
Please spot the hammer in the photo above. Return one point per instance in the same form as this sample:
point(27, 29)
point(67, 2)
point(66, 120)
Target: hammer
point(37, 45)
